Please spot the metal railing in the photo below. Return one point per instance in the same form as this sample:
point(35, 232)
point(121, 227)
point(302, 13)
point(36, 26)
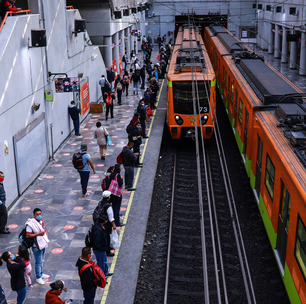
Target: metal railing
point(11, 14)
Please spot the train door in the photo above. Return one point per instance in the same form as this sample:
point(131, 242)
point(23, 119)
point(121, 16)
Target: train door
point(283, 224)
point(258, 166)
point(246, 124)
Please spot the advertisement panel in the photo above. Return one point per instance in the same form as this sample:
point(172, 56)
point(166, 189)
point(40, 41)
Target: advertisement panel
point(84, 96)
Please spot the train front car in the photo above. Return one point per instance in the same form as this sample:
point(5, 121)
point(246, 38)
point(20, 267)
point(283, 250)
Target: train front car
point(190, 78)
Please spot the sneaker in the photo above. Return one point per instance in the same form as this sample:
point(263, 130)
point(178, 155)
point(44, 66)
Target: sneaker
point(30, 287)
point(109, 274)
point(40, 281)
point(86, 194)
point(45, 276)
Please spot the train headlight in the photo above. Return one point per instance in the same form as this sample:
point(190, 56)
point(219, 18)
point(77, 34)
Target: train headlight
point(179, 120)
point(204, 119)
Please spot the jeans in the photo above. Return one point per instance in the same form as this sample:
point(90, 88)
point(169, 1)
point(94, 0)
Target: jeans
point(119, 94)
point(116, 204)
point(21, 295)
point(76, 124)
point(39, 261)
point(84, 175)
point(135, 87)
point(129, 177)
point(102, 260)
point(127, 89)
point(3, 216)
point(109, 108)
point(143, 82)
point(89, 296)
point(125, 64)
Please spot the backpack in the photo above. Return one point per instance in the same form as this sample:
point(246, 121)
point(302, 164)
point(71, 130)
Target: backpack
point(77, 160)
point(100, 211)
point(126, 80)
point(88, 237)
point(109, 100)
point(103, 184)
point(28, 242)
point(120, 158)
point(123, 59)
point(119, 86)
point(129, 128)
point(99, 276)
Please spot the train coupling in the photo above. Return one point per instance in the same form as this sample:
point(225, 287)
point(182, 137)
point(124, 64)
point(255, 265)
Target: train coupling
point(190, 133)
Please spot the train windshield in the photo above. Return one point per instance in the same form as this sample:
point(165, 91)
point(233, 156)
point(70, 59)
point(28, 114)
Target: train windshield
point(183, 99)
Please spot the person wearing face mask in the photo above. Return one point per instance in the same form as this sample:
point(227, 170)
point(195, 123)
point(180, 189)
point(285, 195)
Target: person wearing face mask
point(135, 136)
point(3, 211)
point(15, 265)
point(9, 6)
point(52, 296)
point(129, 159)
point(36, 229)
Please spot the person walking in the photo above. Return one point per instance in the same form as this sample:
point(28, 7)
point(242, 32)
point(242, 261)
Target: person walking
point(35, 228)
point(3, 210)
point(136, 80)
point(101, 136)
point(126, 82)
point(15, 266)
point(110, 77)
point(85, 171)
point(119, 88)
point(104, 84)
point(74, 113)
point(109, 103)
point(129, 159)
point(125, 60)
point(88, 284)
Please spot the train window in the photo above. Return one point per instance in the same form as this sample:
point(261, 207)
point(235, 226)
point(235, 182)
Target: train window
point(285, 206)
point(240, 113)
point(236, 100)
point(232, 92)
point(269, 178)
point(225, 79)
point(183, 99)
point(300, 246)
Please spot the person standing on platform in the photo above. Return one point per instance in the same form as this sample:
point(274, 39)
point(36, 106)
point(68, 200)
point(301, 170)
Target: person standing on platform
point(125, 60)
point(87, 277)
point(110, 77)
point(74, 113)
point(136, 80)
point(84, 172)
point(126, 82)
point(129, 159)
point(3, 210)
point(104, 84)
point(143, 76)
point(101, 136)
point(119, 88)
point(109, 102)
point(159, 41)
point(142, 116)
point(136, 137)
point(35, 228)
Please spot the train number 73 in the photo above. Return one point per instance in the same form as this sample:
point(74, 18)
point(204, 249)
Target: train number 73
point(203, 110)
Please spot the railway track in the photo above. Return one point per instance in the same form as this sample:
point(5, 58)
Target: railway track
point(206, 261)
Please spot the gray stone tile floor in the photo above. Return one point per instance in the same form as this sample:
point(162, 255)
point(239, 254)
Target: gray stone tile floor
point(57, 191)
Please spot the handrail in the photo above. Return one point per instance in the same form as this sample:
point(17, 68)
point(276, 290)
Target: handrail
point(69, 7)
point(9, 13)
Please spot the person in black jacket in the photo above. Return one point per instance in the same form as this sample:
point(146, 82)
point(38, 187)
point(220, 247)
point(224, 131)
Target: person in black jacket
point(143, 76)
point(3, 210)
point(74, 114)
point(119, 88)
point(142, 117)
point(136, 80)
point(116, 200)
point(135, 136)
point(15, 266)
point(129, 159)
point(100, 243)
point(87, 278)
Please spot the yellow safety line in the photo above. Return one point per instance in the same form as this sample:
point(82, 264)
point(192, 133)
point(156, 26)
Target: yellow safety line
point(112, 267)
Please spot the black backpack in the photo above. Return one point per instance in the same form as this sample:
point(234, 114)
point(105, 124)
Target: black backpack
point(28, 242)
point(129, 128)
point(123, 58)
point(77, 160)
point(100, 211)
point(89, 238)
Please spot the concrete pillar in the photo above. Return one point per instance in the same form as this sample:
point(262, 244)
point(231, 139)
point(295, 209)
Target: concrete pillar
point(122, 44)
point(108, 51)
point(270, 39)
point(284, 46)
point(277, 42)
point(116, 49)
point(303, 55)
point(127, 40)
point(293, 53)
point(131, 40)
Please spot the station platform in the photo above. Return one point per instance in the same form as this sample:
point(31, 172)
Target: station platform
point(57, 192)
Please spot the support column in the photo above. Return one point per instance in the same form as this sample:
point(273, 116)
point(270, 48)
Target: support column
point(284, 46)
point(122, 44)
point(277, 42)
point(270, 39)
point(127, 40)
point(131, 40)
point(303, 55)
point(116, 49)
point(293, 53)
point(108, 51)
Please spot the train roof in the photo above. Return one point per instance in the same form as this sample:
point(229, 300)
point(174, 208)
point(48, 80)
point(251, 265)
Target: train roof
point(269, 86)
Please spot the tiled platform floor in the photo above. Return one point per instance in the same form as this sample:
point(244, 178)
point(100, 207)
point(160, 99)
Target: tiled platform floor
point(57, 192)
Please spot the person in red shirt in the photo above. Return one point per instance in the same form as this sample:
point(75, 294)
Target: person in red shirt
point(52, 296)
point(9, 6)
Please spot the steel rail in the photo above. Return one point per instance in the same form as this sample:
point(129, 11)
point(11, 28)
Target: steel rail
point(170, 232)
